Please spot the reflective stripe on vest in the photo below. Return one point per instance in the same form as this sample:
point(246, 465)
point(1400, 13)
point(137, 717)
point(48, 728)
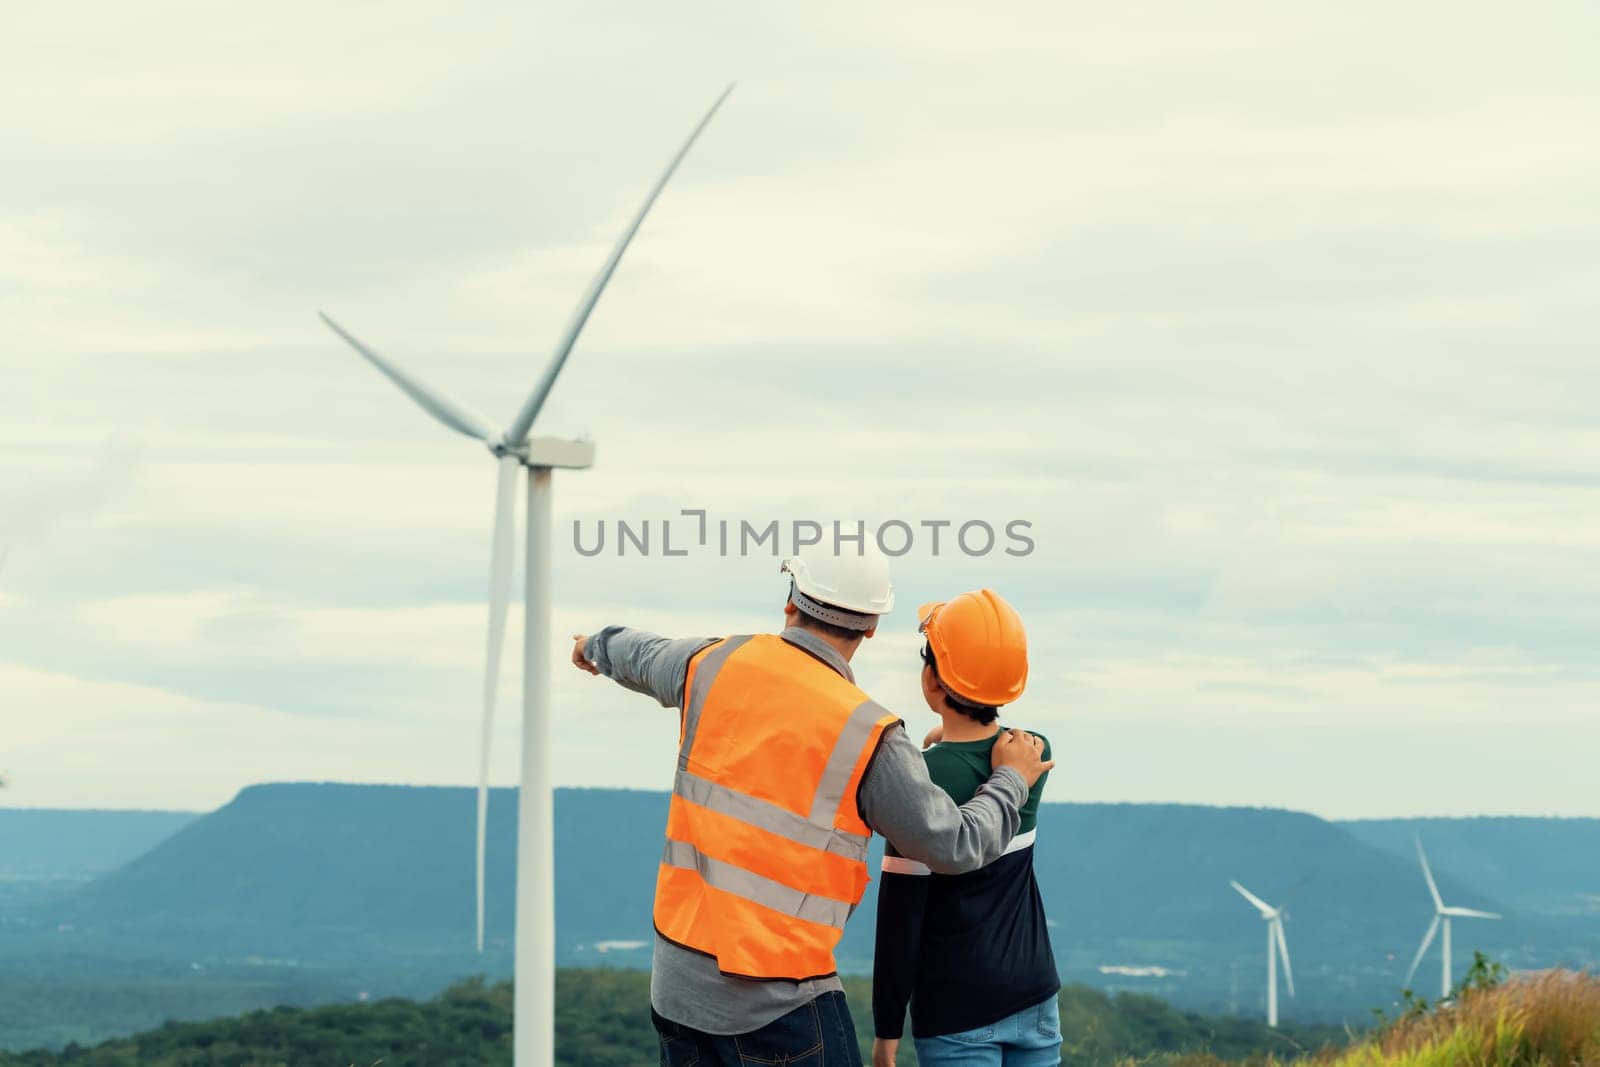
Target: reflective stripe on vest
point(766, 850)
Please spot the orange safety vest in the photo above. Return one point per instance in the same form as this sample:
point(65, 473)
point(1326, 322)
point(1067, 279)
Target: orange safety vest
point(766, 851)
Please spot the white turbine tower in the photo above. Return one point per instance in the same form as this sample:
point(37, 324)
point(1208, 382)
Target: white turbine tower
point(535, 916)
point(5, 551)
point(1277, 945)
point(1441, 918)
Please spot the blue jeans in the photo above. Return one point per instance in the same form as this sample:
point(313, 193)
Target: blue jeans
point(818, 1034)
point(1030, 1038)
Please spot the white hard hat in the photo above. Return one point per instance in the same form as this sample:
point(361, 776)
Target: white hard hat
point(856, 584)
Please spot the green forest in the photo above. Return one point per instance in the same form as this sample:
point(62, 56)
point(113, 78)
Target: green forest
point(603, 1020)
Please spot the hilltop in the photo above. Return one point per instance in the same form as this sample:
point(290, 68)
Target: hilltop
point(1536, 866)
point(42, 844)
point(302, 893)
point(328, 869)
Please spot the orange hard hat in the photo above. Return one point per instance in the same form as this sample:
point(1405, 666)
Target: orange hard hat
point(980, 645)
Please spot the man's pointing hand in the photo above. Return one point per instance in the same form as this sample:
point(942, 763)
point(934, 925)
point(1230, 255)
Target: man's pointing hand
point(579, 660)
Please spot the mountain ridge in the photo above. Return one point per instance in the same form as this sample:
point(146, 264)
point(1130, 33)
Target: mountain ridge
point(333, 871)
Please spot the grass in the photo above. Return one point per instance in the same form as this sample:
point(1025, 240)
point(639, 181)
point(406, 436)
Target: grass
point(1549, 1020)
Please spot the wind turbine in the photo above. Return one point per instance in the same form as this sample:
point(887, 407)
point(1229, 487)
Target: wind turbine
point(513, 448)
point(1441, 918)
point(1277, 945)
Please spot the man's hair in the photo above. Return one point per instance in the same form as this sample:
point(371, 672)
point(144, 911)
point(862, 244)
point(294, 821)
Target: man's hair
point(833, 630)
point(982, 714)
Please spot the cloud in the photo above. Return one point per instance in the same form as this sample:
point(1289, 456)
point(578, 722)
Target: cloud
point(1279, 331)
point(65, 737)
point(57, 490)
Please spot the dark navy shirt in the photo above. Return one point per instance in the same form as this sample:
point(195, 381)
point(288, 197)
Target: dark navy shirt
point(963, 950)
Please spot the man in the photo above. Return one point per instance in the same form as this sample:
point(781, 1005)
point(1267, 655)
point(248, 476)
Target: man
point(785, 769)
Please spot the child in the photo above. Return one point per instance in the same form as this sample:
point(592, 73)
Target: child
point(970, 953)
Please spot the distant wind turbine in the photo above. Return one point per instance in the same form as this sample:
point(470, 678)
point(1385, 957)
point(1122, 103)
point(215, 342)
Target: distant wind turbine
point(1277, 945)
point(1441, 918)
point(535, 922)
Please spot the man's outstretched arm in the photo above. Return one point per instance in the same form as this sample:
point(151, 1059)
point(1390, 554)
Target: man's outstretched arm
point(639, 660)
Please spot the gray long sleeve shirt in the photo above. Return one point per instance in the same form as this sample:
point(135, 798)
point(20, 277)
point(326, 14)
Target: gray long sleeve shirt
point(897, 799)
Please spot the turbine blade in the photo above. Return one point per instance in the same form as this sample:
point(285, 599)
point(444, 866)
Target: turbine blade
point(518, 432)
point(1427, 872)
point(1469, 913)
point(500, 568)
point(1283, 952)
point(1427, 940)
point(1294, 891)
point(5, 552)
point(458, 417)
point(1261, 905)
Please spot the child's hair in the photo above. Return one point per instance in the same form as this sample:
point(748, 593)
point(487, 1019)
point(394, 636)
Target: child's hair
point(982, 714)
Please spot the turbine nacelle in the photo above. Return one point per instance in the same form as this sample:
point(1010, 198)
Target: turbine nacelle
point(564, 453)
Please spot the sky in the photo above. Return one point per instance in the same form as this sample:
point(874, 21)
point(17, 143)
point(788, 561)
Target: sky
point(1274, 324)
